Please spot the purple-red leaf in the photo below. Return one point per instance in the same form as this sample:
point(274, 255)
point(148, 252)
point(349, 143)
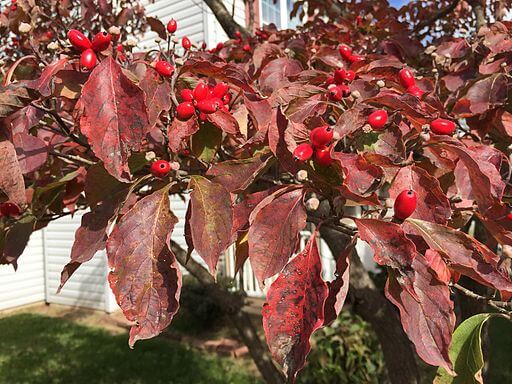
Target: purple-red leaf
point(158, 94)
point(211, 219)
point(428, 320)
point(32, 152)
point(179, 131)
point(11, 177)
point(274, 229)
point(145, 276)
point(295, 309)
point(113, 117)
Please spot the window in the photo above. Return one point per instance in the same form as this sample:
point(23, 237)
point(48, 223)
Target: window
point(271, 12)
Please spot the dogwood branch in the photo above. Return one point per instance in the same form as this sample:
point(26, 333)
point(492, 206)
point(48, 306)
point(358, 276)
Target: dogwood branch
point(498, 305)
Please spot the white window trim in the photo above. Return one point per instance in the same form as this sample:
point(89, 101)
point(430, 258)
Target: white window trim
point(282, 10)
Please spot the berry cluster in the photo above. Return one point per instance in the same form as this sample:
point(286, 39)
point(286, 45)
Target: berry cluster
point(319, 138)
point(407, 80)
point(338, 83)
point(205, 99)
point(100, 42)
point(172, 27)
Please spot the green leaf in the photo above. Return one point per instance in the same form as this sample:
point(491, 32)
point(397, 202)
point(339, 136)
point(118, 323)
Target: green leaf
point(206, 142)
point(466, 353)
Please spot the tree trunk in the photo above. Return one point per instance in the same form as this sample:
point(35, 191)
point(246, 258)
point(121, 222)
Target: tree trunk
point(479, 11)
point(241, 321)
point(372, 306)
point(225, 19)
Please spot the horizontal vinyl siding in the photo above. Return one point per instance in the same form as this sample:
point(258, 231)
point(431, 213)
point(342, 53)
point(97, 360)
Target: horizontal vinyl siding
point(87, 286)
point(188, 13)
point(26, 285)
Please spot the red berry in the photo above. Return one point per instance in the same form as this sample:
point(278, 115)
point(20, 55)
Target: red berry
point(330, 80)
point(238, 34)
point(442, 127)
point(355, 58)
point(202, 116)
point(323, 156)
point(345, 51)
point(49, 35)
point(378, 119)
point(201, 91)
point(185, 110)
point(172, 26)
point(415, 91)
point(226, 99)
point(120, 47)
point(101, 41)
point(9, 209)
point(187, 94)
point(405, 204)
point(185, 43)
point(209, 106)
point(164, 68)
point(338, 92)
point(342, 75)
point(321, 136)
point(160, 168)
point(79, 40)
point(246, 48)
point(219, 46)
point(303, 152)
point(220, 90)
point(14, 7)
point(88, 59)
point(406, 78)
point(203, 45)
point(509, 216)
point(359, 20)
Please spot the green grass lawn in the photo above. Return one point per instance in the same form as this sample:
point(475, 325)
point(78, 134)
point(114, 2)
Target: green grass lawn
point(39, 349)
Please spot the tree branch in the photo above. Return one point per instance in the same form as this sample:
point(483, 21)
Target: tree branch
point(225, 19)
point(436, 16)
point(479, 11)
point(498, 305)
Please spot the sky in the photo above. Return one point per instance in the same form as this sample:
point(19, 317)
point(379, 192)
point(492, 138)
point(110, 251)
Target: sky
point(398, 3)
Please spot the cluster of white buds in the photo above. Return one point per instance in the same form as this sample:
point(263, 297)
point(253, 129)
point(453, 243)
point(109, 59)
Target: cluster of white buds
point(24, 28)
point(53, 46)
point(381, 83)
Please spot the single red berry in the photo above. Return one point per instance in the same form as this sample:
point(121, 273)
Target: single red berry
point(185, 43)
point(160, 168)
point(238, 34)
point(79, 40)
point(321, 136)
point(88, 59)
point(185, 110)
point(217, 102)
point(202, 116)
point(219, 46)
point(14, 7)
point(359, 20)
point(209, 106)
point(226, 99)
point(415, 91)
point(442, 127)
point(323, 156)
point(201, 91)
point(187, 94)
point(246, 48)
point(338, 92)
point(509, 216)
point(49, 35)
point(120, 47)
point(220, 89)
point(101, 41)
point(164, 68)
point(330, 80)
point(203, 45)
point(378, 119)
point(405, 204)
point(122, 57)
point(9, 209)
point(355, 58)
point(345, 51)
point(172, 26)
point(303, 152)
point(406, 78)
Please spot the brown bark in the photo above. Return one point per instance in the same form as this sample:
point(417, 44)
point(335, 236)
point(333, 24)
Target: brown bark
point(241, 321)
point(225, 19)
point(478, 7)
point(372, 306)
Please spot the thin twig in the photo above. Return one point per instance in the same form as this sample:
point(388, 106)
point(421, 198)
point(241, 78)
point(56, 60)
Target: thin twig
point(73, 158)
point(498, 305)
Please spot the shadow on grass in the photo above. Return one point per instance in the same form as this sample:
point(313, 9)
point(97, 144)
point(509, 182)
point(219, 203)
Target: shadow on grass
point(39, 349)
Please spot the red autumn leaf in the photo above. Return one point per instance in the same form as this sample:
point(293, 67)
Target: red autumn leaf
point(225, 121)
point(437, 264)
point(338, 288)
point(113, 117)
point(228, 72)
point(242, 210)
point(24, 119)
point(274, 227)
point(32, 152)
point(275, 74)
point(260, 111)
point(464, 254)
point(11, 177)
point(179, 131)
point(496, 227)
point(44, 82)
point(264, 53)
point(295, 309)
point(482, 96)
point(145, 276)
point(428, 320)
point(90, 238)
point(157, 26)
point(391, 247)
point(211, 219)
point(237, 175)
point(433, 205)
point(15, 97)
point(100, 186)
point(360, 177)
point(158, 94)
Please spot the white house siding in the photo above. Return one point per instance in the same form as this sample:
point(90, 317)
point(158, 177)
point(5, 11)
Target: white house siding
point(26, 285)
